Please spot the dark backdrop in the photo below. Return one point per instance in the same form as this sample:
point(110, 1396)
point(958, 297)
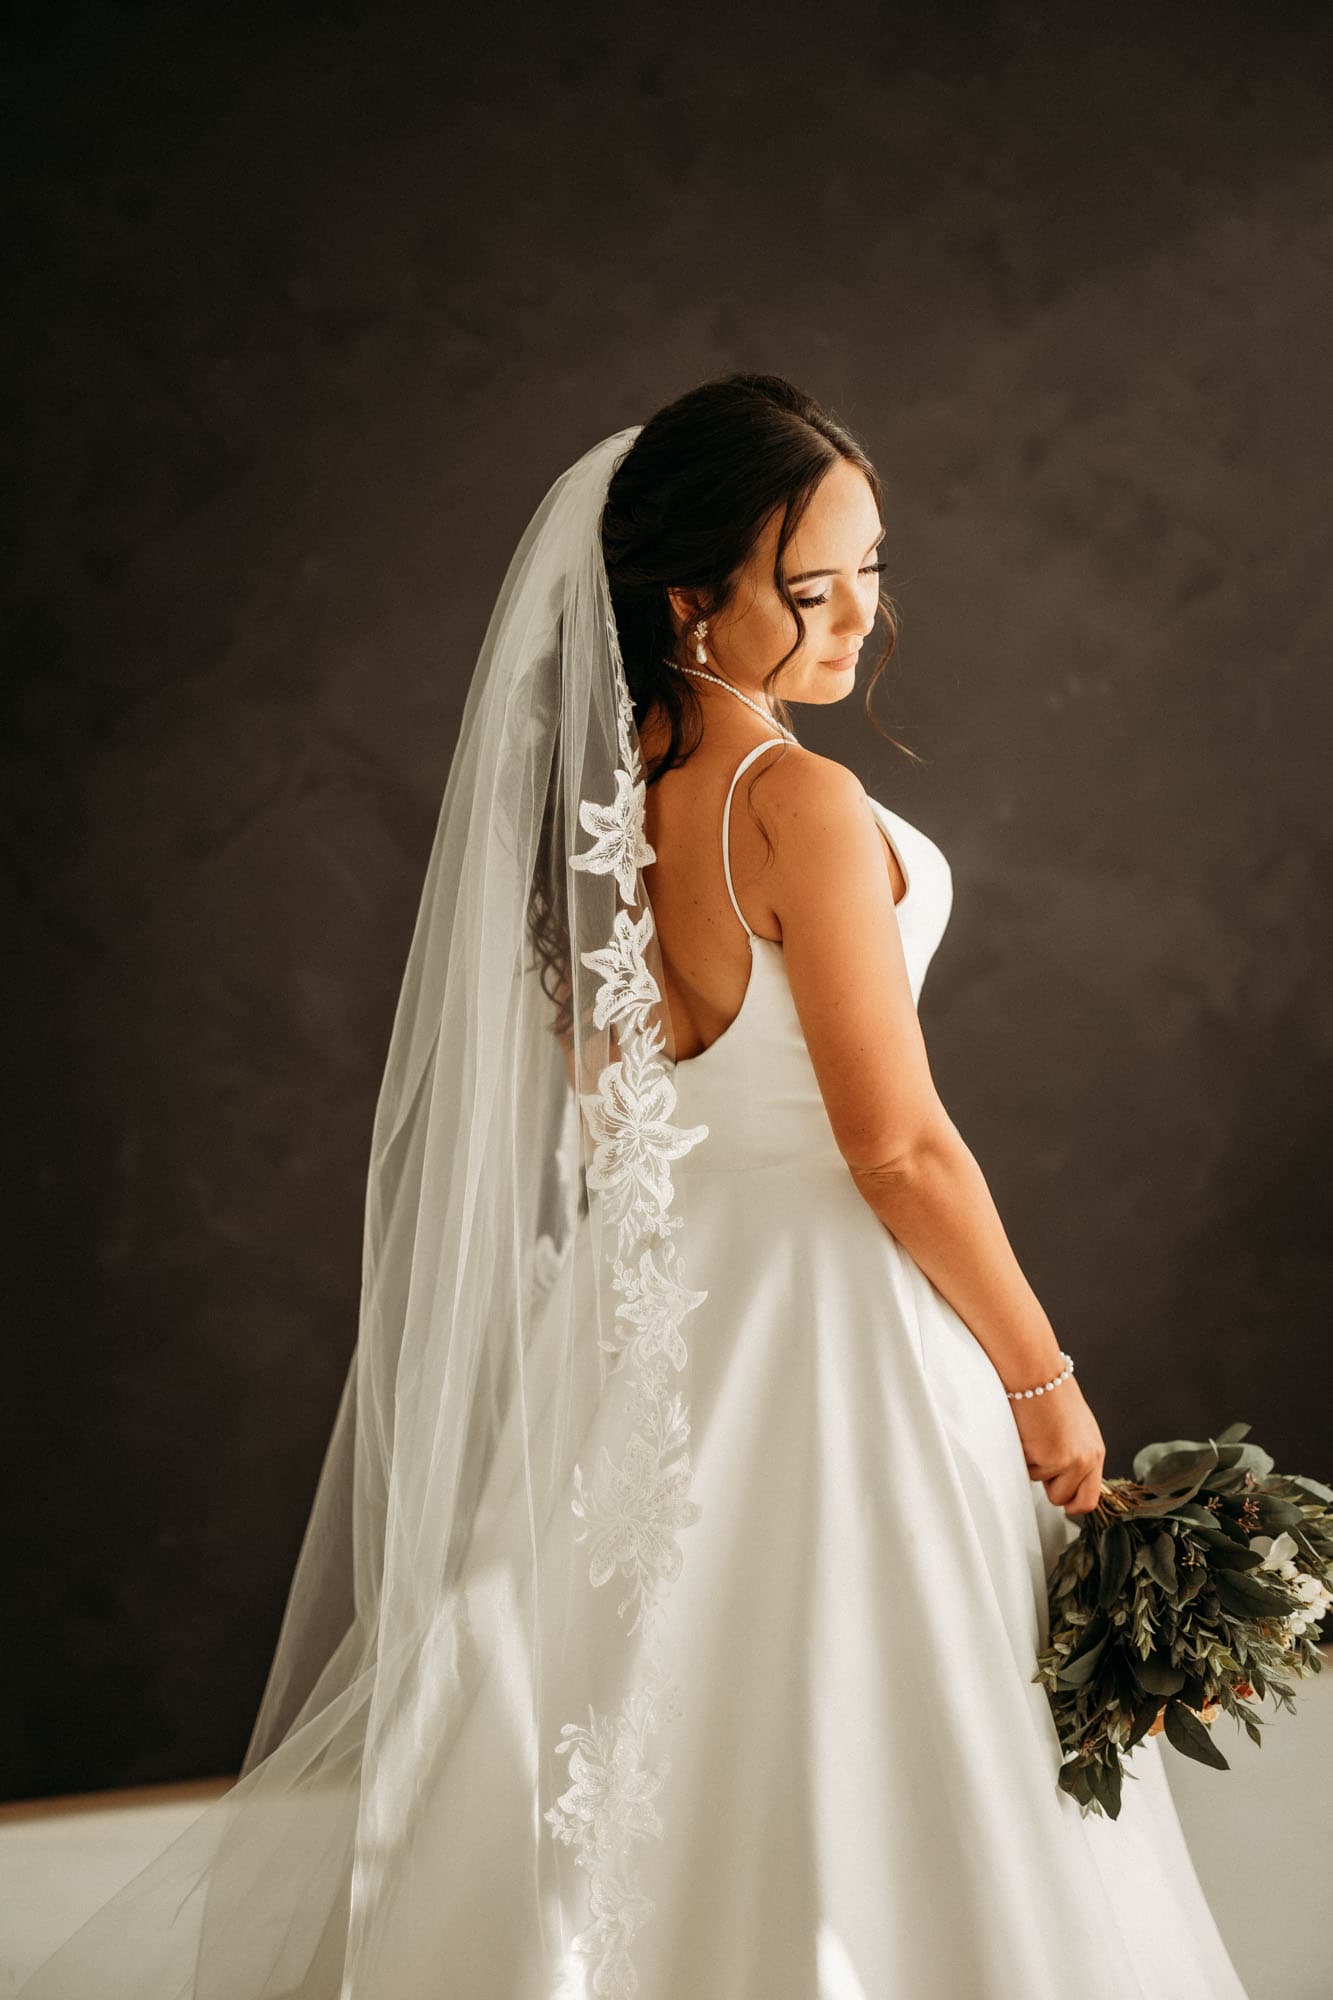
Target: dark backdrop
point(309, 307)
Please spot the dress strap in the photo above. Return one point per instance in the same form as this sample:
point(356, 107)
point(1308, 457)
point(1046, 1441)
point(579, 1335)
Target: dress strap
point(745, 762)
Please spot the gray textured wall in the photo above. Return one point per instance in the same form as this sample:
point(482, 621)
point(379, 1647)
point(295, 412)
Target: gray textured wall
point(308, 313)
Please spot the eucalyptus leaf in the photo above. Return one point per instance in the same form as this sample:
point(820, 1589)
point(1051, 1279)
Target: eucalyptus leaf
point(1144, 1717)
point(1246, 1597)
point(1116, 1555)
point(1157, 1674)
point(1167, 1461)
point(1194, 1581)
point(1186, 1733)
point(1195, 1512)
point(1226, 1554)
point(1161, 1559)
point(1231, 1531)
point(1104, 1781)
point(1254, 1460)
point(1227, 1479)
point(1166, 1498)
point(1079, 1670)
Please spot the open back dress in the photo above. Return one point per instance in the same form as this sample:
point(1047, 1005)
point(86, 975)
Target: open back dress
point(861, 1801)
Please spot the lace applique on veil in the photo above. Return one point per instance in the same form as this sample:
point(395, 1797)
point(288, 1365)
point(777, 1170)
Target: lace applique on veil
point(632, 1511)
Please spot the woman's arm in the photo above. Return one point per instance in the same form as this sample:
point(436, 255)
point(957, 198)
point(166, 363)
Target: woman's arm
point(829, 889)
point(936, 1202)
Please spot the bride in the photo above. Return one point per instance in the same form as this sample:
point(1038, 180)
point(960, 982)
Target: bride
point(667, 1616)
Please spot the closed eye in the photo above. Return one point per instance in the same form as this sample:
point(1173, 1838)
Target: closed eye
point(808, 603)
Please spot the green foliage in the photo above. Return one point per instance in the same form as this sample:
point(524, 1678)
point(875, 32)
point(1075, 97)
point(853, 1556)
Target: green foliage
point(1161, 1608)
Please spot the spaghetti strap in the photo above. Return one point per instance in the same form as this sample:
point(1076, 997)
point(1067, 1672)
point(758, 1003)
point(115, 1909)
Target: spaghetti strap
point(746, 760)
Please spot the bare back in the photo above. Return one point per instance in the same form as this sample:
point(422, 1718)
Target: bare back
point(700, 930)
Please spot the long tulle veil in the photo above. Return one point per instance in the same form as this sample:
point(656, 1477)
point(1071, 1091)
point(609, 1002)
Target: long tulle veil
point(466, 1726)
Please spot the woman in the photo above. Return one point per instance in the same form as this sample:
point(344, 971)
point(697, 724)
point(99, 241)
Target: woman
point(667, 1618)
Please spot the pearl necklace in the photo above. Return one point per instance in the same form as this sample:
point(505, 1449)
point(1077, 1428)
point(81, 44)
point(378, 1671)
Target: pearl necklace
point(758, 708)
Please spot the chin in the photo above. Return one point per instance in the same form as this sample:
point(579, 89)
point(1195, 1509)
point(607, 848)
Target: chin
point(821, 685)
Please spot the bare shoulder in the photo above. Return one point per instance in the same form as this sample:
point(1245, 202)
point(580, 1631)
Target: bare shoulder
point(800, 782)
point(808, 801)
point(831, 897)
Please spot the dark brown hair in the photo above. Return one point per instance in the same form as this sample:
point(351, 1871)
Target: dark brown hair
point(684, 509)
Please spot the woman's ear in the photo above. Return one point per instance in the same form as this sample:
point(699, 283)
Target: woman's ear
point(686, 607)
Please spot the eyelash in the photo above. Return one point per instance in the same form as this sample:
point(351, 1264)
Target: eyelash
point(808, 603)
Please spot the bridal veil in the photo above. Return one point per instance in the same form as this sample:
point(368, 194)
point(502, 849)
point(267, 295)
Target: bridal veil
point(524, 1285)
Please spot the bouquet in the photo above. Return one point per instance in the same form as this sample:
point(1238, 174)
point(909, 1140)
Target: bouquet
point(1192, 1588)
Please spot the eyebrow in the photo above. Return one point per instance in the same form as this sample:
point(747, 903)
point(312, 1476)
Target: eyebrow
point(807, 574)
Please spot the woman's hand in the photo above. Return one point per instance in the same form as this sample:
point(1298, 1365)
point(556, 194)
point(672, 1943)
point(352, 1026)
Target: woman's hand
point(1063, 1446)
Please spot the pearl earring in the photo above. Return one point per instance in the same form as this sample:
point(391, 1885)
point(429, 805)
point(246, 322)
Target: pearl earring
point(700, 652)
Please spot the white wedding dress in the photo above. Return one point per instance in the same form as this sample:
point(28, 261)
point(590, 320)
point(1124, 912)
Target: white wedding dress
point(861, 1801)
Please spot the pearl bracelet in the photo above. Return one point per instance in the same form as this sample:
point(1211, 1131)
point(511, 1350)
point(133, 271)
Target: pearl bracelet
point(1017, 1395)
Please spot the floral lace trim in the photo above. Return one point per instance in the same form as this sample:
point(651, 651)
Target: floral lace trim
point(632, 1511)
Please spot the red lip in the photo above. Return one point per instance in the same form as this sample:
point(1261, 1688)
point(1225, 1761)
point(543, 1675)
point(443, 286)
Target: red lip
point(846, 660)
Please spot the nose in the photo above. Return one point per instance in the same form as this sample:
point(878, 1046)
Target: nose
point(859, 632)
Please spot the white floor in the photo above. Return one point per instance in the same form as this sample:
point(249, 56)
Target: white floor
point(1261, 1835)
